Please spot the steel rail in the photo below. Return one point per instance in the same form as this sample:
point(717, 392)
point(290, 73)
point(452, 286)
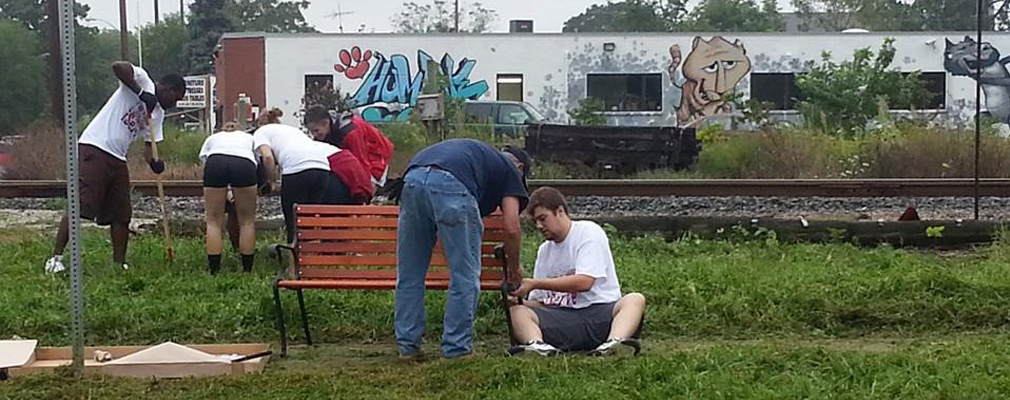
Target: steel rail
point(643, 187)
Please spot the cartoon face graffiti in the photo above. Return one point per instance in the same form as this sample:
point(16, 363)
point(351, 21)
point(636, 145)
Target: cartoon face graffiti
point(961, 59)
point(711, 70)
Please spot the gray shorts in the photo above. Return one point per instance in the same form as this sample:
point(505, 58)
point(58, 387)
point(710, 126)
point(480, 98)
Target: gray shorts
point(577, 329)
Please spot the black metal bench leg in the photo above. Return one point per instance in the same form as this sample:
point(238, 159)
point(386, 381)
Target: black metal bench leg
point(305, 317)
point(280, 322)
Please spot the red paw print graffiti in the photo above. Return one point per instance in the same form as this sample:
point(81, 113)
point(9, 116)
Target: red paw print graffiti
point(354, 64)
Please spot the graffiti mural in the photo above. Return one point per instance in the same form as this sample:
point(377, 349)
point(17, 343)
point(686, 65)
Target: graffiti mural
point(389, 89)
point(710, 72)
point(961, 59)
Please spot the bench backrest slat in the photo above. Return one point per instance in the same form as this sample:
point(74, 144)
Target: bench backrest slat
point(359, 243)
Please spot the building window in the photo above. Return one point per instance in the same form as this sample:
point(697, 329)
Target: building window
point(780, 90)
point(316, 83)
point(510, 87)
point(627, 92)
point(936, 84)
point(777, 89)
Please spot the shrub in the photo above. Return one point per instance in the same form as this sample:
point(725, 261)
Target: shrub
point(589, 112)
point(841, 98)
point(40, 154)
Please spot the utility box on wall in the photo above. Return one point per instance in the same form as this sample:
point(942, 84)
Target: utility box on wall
point(431, 107)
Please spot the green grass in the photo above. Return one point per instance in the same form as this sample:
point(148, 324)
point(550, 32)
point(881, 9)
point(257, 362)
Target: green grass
point(695, 288)
point(972, 368)
point(726, 319)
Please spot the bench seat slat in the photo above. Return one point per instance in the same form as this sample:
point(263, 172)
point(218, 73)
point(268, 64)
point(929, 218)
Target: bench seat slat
point(364, 284)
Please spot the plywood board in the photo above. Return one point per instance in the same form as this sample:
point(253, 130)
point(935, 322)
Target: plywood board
point(49, 358)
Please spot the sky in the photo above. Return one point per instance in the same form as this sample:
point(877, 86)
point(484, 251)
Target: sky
point(548, 15)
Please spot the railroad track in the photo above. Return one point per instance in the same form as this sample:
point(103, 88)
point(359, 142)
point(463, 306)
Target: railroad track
point(646, 187)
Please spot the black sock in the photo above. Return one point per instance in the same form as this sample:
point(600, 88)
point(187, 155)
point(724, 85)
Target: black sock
point(247, 262)
point(214, 262)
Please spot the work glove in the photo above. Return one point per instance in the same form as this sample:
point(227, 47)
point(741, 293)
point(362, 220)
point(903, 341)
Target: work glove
point(150, 101)
point(157, 166)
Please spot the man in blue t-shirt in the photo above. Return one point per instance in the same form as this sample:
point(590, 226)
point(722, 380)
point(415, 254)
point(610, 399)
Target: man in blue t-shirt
point(448, 188)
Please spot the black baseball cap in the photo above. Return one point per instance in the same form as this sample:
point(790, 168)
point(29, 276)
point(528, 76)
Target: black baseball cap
point(523, 158)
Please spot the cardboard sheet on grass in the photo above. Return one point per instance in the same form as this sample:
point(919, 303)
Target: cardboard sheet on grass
point(166, 360)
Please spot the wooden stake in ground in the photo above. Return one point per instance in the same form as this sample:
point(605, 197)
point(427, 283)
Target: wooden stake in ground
point(161, 197)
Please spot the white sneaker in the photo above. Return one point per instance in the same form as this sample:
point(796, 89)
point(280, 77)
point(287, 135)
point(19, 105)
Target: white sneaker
point(125, 266)
point(540, 348)
point(617, 345)
point(55, 264)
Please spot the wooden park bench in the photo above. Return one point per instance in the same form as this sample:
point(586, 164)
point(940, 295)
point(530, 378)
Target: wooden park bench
point(354, 248)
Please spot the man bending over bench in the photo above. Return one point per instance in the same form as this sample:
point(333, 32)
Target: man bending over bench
point(448, 188)
point(574, 301)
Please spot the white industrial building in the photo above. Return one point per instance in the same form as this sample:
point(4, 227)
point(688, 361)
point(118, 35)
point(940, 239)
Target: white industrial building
point(643, 78)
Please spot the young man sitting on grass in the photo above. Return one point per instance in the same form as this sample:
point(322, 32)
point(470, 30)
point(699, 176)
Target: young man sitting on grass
point(574, 299)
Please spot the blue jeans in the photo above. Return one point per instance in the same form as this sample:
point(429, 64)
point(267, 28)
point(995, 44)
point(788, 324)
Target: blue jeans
point(434, 204)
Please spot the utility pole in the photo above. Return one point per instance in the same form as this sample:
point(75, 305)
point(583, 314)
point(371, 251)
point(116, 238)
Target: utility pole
point(182, 11)
point(122, 31)
point(55, 60)
point(457, 16)
point(156, 13)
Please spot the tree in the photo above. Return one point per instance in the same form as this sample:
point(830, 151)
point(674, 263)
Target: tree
point(897, 15)
point(163, 47)
point(22, 99)
point(440, 17)
point(96, 51)
point(32, 13)
point(271, 16)
point(840, 98)
point(735, 16)
point(628, 16)
point(207, 22)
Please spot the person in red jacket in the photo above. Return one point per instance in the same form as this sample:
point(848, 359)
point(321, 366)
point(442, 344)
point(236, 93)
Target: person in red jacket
point(351, 132)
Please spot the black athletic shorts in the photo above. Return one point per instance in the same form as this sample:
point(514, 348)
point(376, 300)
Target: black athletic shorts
point(222, 170)
point(312, 186)
point(577, 329)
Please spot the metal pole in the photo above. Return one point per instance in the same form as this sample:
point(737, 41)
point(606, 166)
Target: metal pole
point(55, 66)
point(73, 189)
point(978, 99)
point(140, 38)
point(122, 31)
point(157, 14)
point(457, 16)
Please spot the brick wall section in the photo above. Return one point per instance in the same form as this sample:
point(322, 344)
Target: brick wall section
point(240, 68)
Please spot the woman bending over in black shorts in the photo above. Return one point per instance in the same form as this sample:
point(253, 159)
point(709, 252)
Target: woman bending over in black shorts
point(229, 161)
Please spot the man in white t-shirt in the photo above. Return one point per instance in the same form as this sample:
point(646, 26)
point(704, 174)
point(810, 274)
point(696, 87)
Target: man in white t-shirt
point(135, 109)
point(574, 299)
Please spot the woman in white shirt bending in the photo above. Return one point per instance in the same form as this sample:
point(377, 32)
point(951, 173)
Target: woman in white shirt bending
point(306, 176)
point(229, 161)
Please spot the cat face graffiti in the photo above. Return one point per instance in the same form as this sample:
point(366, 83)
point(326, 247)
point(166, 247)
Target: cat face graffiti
point(717, 66)
point(960, 58)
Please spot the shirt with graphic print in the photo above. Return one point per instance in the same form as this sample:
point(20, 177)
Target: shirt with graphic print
point(123, 119)
point(585, 251)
